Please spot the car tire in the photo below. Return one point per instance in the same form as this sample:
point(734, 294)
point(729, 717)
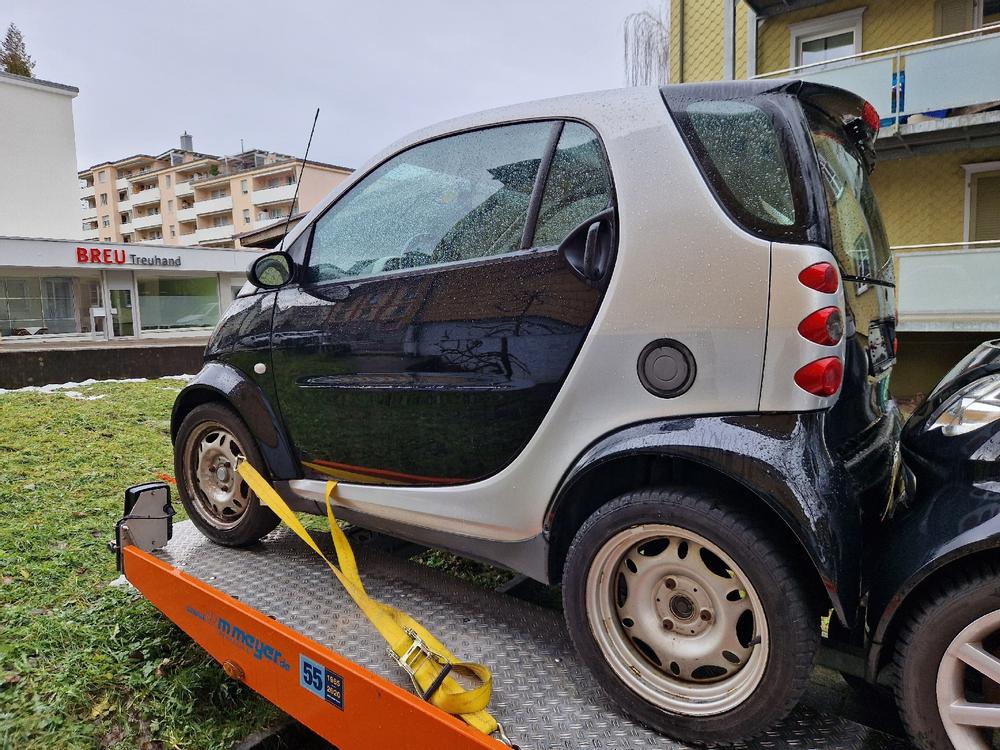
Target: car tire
point(928, 672)
point(631, 564)
point(216, 498)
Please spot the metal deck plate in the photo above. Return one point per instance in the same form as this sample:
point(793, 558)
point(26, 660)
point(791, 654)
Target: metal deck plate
point(543, 694)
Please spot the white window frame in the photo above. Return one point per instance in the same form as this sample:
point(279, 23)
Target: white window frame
point(817, 28)
point(970, 170)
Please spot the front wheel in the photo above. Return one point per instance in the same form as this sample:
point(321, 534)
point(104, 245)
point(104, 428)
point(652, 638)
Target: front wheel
point(948, 662)
point(687, 613)
point(210, 441)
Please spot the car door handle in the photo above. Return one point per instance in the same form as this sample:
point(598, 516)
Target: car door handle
point(589, 249)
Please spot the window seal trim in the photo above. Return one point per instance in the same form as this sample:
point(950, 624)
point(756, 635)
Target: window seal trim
point(538, 189)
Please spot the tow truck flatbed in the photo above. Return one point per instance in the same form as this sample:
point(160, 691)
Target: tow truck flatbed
point(276, 619)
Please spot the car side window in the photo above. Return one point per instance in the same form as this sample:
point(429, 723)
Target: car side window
point(456, 198)
point(578, 185)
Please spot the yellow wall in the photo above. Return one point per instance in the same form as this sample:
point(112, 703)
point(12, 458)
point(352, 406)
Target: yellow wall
point(703, 44)
point(884, 23)
point(923, 198)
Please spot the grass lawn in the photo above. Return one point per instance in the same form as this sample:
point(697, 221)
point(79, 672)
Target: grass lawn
point(84, 664)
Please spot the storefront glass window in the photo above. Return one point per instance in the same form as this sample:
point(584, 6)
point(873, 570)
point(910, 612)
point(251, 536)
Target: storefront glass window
point(39, 305)
point(171, 302)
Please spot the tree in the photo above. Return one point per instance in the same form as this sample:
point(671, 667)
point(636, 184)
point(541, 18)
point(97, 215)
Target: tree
point(647, 47)
point(13, 54)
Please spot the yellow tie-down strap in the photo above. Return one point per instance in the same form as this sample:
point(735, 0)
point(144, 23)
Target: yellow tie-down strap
point(426, 660)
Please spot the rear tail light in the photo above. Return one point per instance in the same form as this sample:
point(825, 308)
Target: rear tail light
point(821, 276)
point(825, 326)
point(869, 116)
point(822, 377)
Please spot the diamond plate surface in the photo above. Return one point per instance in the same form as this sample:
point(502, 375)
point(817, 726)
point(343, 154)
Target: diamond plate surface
point(543, 694)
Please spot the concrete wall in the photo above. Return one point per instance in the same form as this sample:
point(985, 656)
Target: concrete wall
point(34, 367)
point(39, 190)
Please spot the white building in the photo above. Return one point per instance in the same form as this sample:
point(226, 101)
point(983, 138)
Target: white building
point(39, 189)
point(52, 290)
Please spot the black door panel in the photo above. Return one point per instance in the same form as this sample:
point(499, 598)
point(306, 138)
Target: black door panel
point(436, 378)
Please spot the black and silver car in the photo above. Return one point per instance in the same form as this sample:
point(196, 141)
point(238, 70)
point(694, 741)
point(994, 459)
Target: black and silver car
point(637, 342)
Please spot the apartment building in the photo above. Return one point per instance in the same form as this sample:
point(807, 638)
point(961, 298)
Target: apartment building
point(183, 197)
point(929, 67)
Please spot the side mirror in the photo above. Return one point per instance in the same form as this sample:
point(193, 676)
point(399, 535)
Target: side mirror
point(270, 271)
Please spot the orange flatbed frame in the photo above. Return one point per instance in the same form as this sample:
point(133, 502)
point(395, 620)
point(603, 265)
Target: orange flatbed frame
point(269, 657)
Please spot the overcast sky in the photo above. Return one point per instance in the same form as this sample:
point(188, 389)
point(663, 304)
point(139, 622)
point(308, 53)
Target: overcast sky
point(226, 70)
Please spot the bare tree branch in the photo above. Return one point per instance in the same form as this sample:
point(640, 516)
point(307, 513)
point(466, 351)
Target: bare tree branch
point(647, 47)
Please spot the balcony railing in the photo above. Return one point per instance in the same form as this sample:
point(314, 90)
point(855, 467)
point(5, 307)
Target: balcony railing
point(186, 214)
point(183, 188)
point(87, 191)
point(928, 77)
point(210, 234)
point(125, 205)
point(121, 183)
point(142, 222)
point(142, 197)
point(949, 286)
point(90, 213)
point(273, 195)
point(214, 205)
point(125, 228)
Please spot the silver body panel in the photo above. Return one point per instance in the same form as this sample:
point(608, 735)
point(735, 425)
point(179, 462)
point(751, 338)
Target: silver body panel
point(684, 270)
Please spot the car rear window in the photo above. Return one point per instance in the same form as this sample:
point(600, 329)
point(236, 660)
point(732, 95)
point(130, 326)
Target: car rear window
point(740, 143)
point(738, 148)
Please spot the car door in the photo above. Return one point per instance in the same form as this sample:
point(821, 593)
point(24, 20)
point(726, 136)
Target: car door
point(435, 318)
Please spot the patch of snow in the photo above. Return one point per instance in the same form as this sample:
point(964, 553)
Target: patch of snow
point(71, 387)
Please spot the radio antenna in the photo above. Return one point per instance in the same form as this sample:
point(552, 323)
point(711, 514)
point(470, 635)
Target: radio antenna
point(298, 181)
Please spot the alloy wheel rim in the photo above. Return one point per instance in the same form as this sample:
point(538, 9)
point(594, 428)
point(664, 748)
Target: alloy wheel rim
point(222, 496)
point(677, 620)
point(968, 684)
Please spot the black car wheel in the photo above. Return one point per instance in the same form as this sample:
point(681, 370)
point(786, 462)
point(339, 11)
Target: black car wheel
point(210, 440)
point(948, 661)
point(688, 614)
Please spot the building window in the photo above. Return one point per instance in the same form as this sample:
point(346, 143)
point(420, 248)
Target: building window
point(827, 38)
point(48, 304)
point(102, 176)
point(170, 205)
point(105, 221)
point(984, 205)
point(173, 231)
point(166, 180)
point(221, 221)
point(172, 302)
point(244, 187)
point(991, 12)
point(107, 239)
point(246, 215)
point(219, 193)
point(104, 199)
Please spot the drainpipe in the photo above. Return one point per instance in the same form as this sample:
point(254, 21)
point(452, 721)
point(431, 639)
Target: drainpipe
point(680, 44)
point(728, 40)
point(751, 42)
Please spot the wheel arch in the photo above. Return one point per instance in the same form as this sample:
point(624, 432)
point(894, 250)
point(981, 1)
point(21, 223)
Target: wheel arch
point(616, 464)
point(917, 589)
point(221, 383)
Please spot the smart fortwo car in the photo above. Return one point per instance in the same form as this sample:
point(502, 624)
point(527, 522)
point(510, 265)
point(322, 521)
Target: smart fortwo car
point(637, 342)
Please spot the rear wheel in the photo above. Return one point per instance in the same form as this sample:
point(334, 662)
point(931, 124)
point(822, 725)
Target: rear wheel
point(688, 615)
point(208, 444)
point(948, 661)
